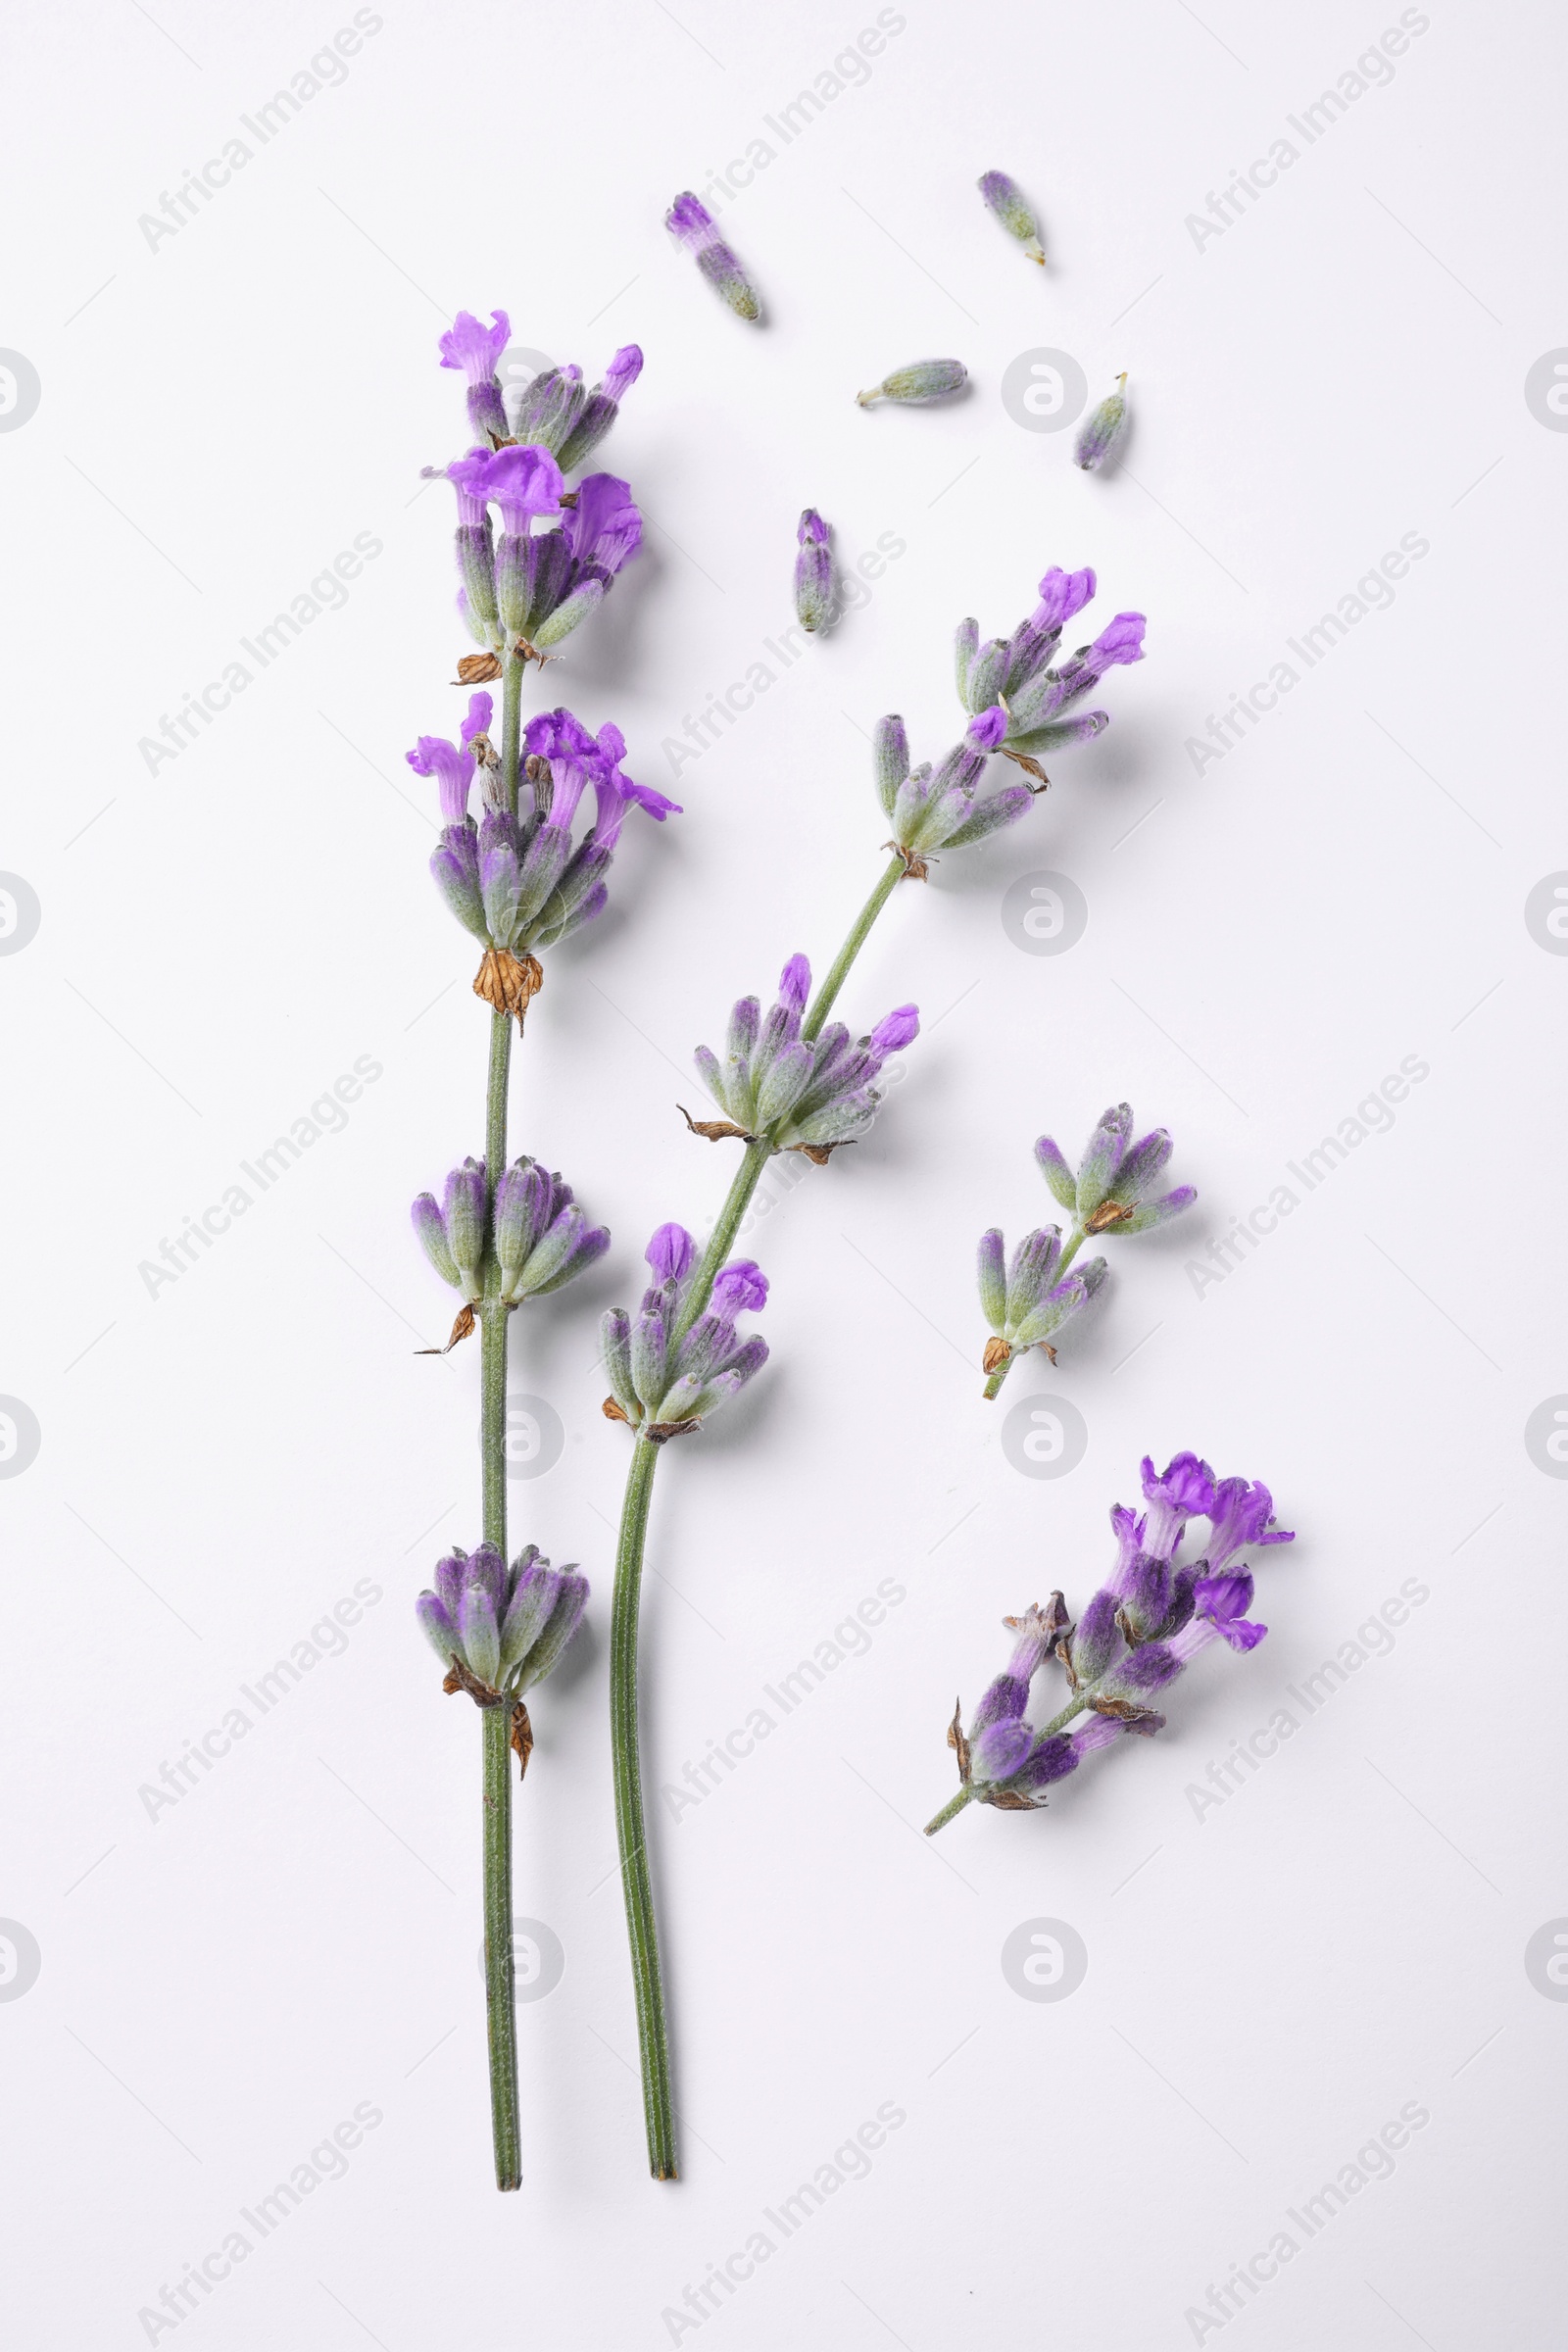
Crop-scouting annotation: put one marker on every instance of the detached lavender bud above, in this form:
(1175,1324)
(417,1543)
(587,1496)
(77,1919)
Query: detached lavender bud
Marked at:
(813,572)
(927,380)
(1005,198)
(696,229)
(1137,1634)
(1100,432)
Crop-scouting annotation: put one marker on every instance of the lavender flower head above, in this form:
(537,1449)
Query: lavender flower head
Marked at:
(942,808)
(665,1374)
(533,1239)
(1153,1616)
(695,227)
(798,1095)
(813,574)
(1023,673)
(1027,1303)
(1005,198)
(522,883)
(504,1627)
(1114,1191)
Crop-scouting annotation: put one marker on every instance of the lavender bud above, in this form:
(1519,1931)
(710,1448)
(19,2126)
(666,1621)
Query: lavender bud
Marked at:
(431,1226)
(465,1216)
(695,227)
(1005,200)
(890,751)
(813,574)
(925,379)
(1100,432)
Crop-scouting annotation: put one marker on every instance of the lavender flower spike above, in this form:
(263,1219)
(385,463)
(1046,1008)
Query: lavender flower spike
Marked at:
(505,1627)
(1005,198)
(1136,1636)
(1100,432)
(813,574)
(664,1380)
(1026,1303)
(923,381)
(1116,1177)
(475,349)
(796,1096)
(696,229)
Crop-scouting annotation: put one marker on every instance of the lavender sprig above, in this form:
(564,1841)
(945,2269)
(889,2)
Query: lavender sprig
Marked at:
(1147,1623)
(1111,1193)
(789,1083)
(523,870)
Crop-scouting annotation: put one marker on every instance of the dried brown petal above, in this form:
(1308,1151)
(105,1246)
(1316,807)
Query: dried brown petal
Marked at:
(612,1413)
(1031,767)
(1006,1800)
(660,1432)
(522,1741)
(957,1741)
(1127,1711)
(462,1677)
(477,669)
(716,1130)
(915,870)
(996,1352)
(462,1329)
(821,1154)
(1107,1215)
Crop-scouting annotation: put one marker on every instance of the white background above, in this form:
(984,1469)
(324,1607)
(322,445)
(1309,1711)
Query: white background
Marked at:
(1270,1980)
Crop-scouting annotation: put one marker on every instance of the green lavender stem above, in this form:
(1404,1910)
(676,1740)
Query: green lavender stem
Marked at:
(827,994)
(501,2017)
(653,2040)
(637,1884)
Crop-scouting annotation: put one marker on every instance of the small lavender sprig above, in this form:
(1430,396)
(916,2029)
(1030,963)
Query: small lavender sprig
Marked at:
(1111,1193)
(945,810)
(1152,1617)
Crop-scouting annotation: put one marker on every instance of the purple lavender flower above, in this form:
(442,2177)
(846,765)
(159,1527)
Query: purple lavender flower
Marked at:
(523,882)
(1021,671)
(1111,1190)
(506,1625)
(454,765)
(1025,1303)
(1145,1625)
(533,1239)
(475,349)
(922,381)
(1101,431)
(1242,1514)
(574,567)
(1005,198)
(800,1094)
(694,225)
(813,574)
(524,482)
(667,1375)
(475,550)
